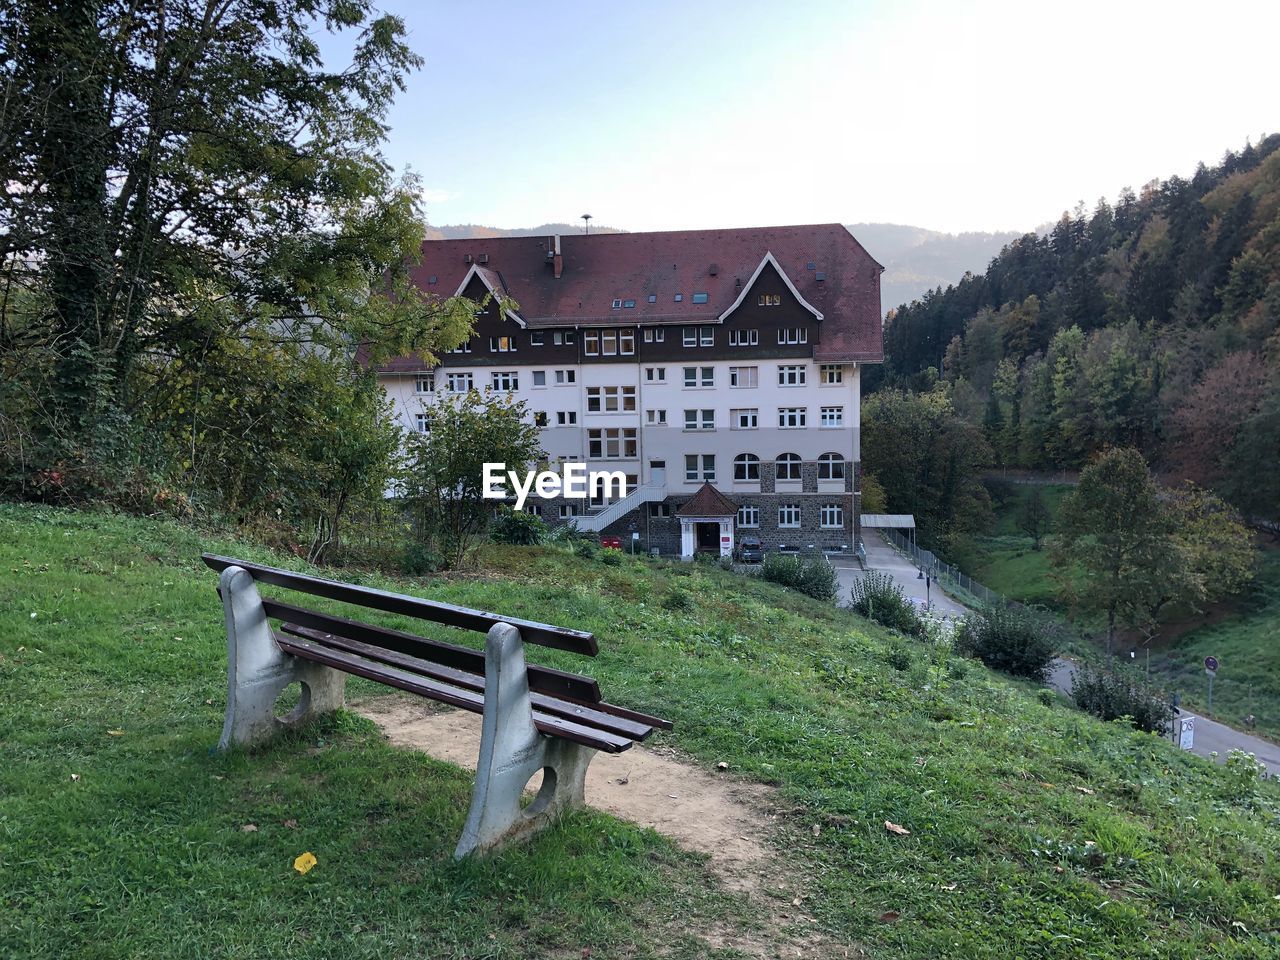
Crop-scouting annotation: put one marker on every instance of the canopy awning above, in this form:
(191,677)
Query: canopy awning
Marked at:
(898,521)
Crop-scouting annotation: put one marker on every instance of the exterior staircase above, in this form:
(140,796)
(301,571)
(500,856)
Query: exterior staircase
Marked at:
(646,493)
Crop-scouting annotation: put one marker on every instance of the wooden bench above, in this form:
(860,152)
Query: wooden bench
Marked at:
(534,718)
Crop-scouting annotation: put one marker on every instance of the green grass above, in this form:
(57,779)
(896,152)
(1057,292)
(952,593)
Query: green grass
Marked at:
(1247,645)
(1004,561)
(144,856)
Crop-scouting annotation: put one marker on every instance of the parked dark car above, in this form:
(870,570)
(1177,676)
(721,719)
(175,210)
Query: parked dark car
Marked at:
(750,550)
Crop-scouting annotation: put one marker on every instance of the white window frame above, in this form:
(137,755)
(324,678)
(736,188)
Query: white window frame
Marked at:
(744,418)
(744,338)
(703,467)
(791,463)
(689,335)
(702,419)
(505,381)
(539,375)
(792,336)
(748,515)
(831,375)
(422,422)
(746,464)
(737,376)
(464,378)
(831,417)
(502,344)
(706,336)
(566,377)
(792,513)
(567,418)
(424,383)
(793,418)
(828,464)
(831,516)
(792,375)
(655,374)
(703,378)
(656,418)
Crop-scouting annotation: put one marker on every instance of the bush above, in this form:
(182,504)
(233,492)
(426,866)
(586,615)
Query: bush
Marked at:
(1120,693)
(420,559)
(814,577)
(677,600)
(611,556)
(1011,639)
(879,598)
(517,527)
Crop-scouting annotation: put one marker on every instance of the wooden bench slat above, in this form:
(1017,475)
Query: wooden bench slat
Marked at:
(543,634)
(593,716)
(443,692)
(548,680)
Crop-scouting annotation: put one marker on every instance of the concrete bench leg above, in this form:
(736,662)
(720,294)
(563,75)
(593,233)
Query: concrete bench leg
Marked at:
(512,751)
(257,671)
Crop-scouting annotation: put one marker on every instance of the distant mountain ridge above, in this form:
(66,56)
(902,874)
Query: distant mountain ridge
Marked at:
(916,260)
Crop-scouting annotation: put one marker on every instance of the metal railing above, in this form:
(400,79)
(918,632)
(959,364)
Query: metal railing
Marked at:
(950,577)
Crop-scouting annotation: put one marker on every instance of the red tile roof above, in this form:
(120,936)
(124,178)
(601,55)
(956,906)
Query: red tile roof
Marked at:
(708,502)
(600,268)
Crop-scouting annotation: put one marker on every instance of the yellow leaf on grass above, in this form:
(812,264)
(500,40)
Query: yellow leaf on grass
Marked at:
(115,733)
(305,862)
(895,828)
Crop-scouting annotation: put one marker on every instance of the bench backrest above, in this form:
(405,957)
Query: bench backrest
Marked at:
(544,634)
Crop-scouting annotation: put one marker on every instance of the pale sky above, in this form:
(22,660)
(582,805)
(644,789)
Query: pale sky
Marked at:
(986,115)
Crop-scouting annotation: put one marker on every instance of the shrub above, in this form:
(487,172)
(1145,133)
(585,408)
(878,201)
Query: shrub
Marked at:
(879,598)
(898,657)
(814,577)
(517,527)
(677,600)
(1120,692)
(585,548)
(1012,639)
(611,556)
(420,559)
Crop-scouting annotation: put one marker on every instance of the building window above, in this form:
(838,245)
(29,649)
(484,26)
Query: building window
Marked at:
(832,373)
(746,467)
(655,374)
(832,417)
(591,343)
(791,375)
(423,423)
(744,338)
(655,334)
(568,510)
(789,515)
(617,304)
(699,419)
(464,347)
(567,418)
(537,339)
(747,418)
(610,399)
(425,383)
(700,467)
(791,335)
(628,304)
(533,508)
(609,343)
(653,298)
(611,443)
(539,378)
(659,510)
(505,380)
(679,297)
(502,344)
(744,376)
(706,335)
(657,418)
(832,516)
(566,376)
(700,298)
(699,377)
(787,467)
(690,336)
(460,383)
(769,300)
(748,515)
(831,467)
(792,418)
(565,337)
(540,418)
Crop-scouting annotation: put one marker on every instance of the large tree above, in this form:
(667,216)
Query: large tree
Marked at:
(185,174)
(1113,550)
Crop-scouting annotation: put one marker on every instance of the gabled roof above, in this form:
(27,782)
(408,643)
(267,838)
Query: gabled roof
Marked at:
(493,283)
(708,502)
(746,288)
(601,268)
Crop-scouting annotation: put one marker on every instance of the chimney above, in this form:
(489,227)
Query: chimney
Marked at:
(558,261)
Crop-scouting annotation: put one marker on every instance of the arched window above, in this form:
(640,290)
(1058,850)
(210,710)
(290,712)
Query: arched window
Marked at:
(831,467)
(746,466)
(788,466)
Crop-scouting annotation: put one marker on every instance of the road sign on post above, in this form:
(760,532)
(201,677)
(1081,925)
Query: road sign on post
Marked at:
(1211,670)
(1186,732)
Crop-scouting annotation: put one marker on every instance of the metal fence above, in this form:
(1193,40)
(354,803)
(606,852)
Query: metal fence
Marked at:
(950,577)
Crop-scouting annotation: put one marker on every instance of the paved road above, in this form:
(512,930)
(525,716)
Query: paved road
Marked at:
(882,557)
(1210,736)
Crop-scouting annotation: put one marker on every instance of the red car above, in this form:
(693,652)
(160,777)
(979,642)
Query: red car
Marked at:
(611,543)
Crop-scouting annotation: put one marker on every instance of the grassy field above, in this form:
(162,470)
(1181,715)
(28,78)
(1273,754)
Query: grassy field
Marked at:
(1004,560)
(1034,831)
(1247,645)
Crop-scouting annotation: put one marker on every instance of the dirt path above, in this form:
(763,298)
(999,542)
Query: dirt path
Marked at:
(718,816)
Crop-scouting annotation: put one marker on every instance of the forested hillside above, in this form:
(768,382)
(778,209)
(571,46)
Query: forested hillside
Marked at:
(1152,323)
